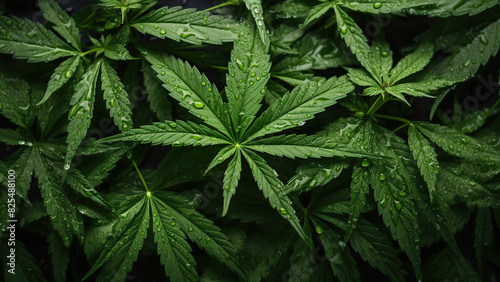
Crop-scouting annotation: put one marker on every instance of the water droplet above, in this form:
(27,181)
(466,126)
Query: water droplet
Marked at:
(163,32)
(186,35)
(172,124)
(68,74)
(198,104)
(484,40)
(464,141)
(141,26)
(452,147)
(365,163)
(203,83)
(319,230)
(67,166)
(398,205)
(402,193)
(197,137)
(172,224)
(253,74)
(112,102)
(383,202)
(283,211)
(343,29)
(377,5)
(384,54)
(22,143)
(9,22)
(259,23)
(74,110)
(381,177)
(190,229)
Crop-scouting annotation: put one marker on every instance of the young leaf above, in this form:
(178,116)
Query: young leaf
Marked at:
(192,89)
(361,77)
(248,74)
(28,40)
(187,25)
(116,97)
(82,110)
(413,62)
(63,24)
(271,186)
(61,75)
(231,178)
(426,158)
(300,105)
(178,133)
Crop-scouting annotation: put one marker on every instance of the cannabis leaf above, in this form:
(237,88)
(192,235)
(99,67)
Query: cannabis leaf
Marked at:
(173,221)
(28,40)
(187,25)
(244,92)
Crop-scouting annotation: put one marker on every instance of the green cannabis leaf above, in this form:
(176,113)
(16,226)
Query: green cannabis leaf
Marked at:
(245,83)
(300,140)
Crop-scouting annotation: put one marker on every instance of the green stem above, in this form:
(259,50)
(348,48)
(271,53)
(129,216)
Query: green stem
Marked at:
(221,5)
(491,109)
(378,103)
(392,118)
(89,52)
(400,127)
(140,175)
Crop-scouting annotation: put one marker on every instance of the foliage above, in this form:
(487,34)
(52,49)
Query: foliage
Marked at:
(296,142)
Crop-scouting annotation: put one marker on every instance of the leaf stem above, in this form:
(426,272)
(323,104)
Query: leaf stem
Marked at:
(88,52)
(378,103)
(392,118)
(400,127)
(231,2)
(140,176)
(491,109)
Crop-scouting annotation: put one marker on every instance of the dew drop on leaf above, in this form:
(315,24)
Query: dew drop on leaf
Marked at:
(381,177)
(198,104)
(68,74)
(283,211)
(319,230)
(365,163)
(377,5)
